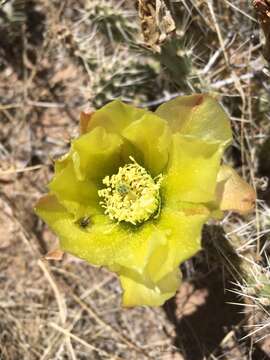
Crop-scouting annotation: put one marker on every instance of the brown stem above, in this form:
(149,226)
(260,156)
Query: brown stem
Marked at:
(262,8)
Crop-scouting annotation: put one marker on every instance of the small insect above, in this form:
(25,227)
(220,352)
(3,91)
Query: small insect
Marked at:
(83,222)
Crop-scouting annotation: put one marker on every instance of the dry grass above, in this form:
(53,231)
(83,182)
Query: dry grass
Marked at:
(56,58)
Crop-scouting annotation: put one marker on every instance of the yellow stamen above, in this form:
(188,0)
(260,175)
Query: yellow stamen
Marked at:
(131,195)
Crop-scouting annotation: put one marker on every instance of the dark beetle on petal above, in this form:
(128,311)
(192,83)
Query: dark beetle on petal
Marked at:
(83,222)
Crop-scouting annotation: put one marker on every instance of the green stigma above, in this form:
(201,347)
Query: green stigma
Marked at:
(131,195)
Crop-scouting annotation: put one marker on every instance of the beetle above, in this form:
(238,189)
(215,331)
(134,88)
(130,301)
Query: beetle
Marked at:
(83,222)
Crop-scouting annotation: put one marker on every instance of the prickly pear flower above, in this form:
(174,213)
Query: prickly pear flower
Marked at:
(135,189)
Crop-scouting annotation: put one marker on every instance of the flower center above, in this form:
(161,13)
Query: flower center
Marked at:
(131,195)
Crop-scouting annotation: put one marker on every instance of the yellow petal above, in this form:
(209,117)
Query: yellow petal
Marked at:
(233,193)
(140,291)
(192,170)
(103,242)
(182,226)
(115,116)
(198,115)
(176,239)
(151,135)
(96,154)
(78,196)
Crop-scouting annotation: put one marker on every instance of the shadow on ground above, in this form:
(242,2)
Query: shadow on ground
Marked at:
(201,333)
(264,168)
(20,34)
(205,321)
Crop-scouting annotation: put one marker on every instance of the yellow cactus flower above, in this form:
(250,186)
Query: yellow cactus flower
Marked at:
(135,189)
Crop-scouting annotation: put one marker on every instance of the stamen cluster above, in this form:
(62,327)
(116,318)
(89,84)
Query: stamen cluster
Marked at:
(131,195)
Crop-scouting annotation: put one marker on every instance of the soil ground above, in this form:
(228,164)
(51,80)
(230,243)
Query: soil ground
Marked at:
(60,57)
